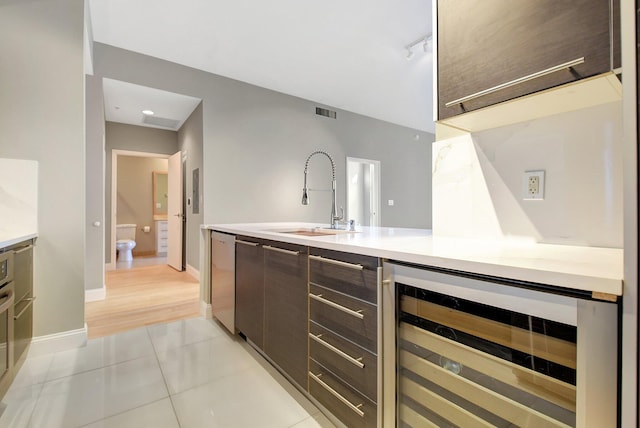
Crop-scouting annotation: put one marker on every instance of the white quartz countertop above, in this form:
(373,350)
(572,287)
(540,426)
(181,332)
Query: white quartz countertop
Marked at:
(8,239)
(592,269)
(18,201)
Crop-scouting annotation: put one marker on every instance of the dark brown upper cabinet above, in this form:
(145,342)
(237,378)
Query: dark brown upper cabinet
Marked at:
(491,51)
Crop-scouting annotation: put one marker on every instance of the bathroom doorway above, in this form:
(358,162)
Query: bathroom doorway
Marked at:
(135,203)
(363,191)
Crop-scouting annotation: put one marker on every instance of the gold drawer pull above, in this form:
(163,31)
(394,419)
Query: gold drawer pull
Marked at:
(336,262)
(319,298)
(281,250)
(355,408)
(355,361)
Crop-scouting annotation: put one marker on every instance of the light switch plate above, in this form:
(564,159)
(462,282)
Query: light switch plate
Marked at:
(533,185)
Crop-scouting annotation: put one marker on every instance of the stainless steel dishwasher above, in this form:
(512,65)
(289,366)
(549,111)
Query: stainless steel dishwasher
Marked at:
(223,278)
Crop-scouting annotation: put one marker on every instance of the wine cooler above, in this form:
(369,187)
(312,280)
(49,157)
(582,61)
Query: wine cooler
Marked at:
(472,351)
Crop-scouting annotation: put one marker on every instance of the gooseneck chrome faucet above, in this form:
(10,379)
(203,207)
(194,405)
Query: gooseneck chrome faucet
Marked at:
(305,196)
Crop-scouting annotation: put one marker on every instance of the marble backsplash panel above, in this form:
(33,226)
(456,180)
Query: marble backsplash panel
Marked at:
(478,180)
(18,198)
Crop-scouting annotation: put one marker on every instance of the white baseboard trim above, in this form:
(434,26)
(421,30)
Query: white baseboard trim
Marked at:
(95,294)
(205,310)
(110,266)
(193,272)
(57,342)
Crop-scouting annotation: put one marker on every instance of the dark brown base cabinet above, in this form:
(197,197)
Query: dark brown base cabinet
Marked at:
(483,44)
(286,308)
(23,307)
(314,314)
(16,319)
(343,335)
(250,289)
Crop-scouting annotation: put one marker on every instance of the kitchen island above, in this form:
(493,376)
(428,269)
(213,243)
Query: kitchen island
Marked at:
(363,308)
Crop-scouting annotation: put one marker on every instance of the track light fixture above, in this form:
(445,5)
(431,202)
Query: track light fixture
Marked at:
(426,45)
(409,54)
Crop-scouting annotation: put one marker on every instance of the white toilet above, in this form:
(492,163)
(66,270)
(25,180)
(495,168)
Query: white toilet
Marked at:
(125,241)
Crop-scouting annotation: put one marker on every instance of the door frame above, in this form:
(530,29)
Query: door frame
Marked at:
(376,189)
(114,194)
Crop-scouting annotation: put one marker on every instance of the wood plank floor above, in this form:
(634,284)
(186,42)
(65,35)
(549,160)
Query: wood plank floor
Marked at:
(142,296)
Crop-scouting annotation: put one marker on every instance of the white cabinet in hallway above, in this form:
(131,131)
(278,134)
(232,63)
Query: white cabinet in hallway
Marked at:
(162,234)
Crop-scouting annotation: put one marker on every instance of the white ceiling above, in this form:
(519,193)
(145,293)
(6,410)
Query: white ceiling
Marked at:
(348,54)
(124,103)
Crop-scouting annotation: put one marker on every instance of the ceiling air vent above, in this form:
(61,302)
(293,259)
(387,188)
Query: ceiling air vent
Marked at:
(161,121)
(327,113)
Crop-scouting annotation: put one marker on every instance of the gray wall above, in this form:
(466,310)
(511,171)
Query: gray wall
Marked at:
(94,255)
(42,116)
(190,143)
(255,142)
(405,167)
(120,136)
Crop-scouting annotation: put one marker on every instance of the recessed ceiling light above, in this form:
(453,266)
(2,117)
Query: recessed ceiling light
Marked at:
(148,112)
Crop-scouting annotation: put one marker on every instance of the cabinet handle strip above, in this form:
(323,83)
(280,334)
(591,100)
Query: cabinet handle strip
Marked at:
(22,250)
(337,262)
(336,394)
(517,81)
(252,244)
(30,300)
(319,298)
(281,250)
(354,361)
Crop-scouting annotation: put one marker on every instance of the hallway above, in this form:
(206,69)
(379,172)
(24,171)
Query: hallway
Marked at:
(142,296)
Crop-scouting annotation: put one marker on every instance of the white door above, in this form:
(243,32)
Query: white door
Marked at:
(175,216)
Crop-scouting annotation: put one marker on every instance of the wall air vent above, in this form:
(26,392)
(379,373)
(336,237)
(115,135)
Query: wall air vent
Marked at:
(161,121)
(327,113)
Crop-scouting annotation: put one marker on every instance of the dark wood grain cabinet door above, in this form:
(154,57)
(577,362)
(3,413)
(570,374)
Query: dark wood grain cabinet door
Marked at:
(286,308)
(483,44)
(250,289)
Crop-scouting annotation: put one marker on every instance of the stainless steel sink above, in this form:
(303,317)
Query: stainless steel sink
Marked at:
(315,231)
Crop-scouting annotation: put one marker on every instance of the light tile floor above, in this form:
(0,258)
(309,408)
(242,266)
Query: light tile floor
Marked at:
(188,374)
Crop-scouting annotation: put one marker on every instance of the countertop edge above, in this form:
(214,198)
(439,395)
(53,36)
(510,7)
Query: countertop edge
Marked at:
(17,239)
(575,280)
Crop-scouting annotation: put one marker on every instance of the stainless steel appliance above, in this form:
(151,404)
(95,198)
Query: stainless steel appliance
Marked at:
(7,297)
(479,351)
(223,283)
